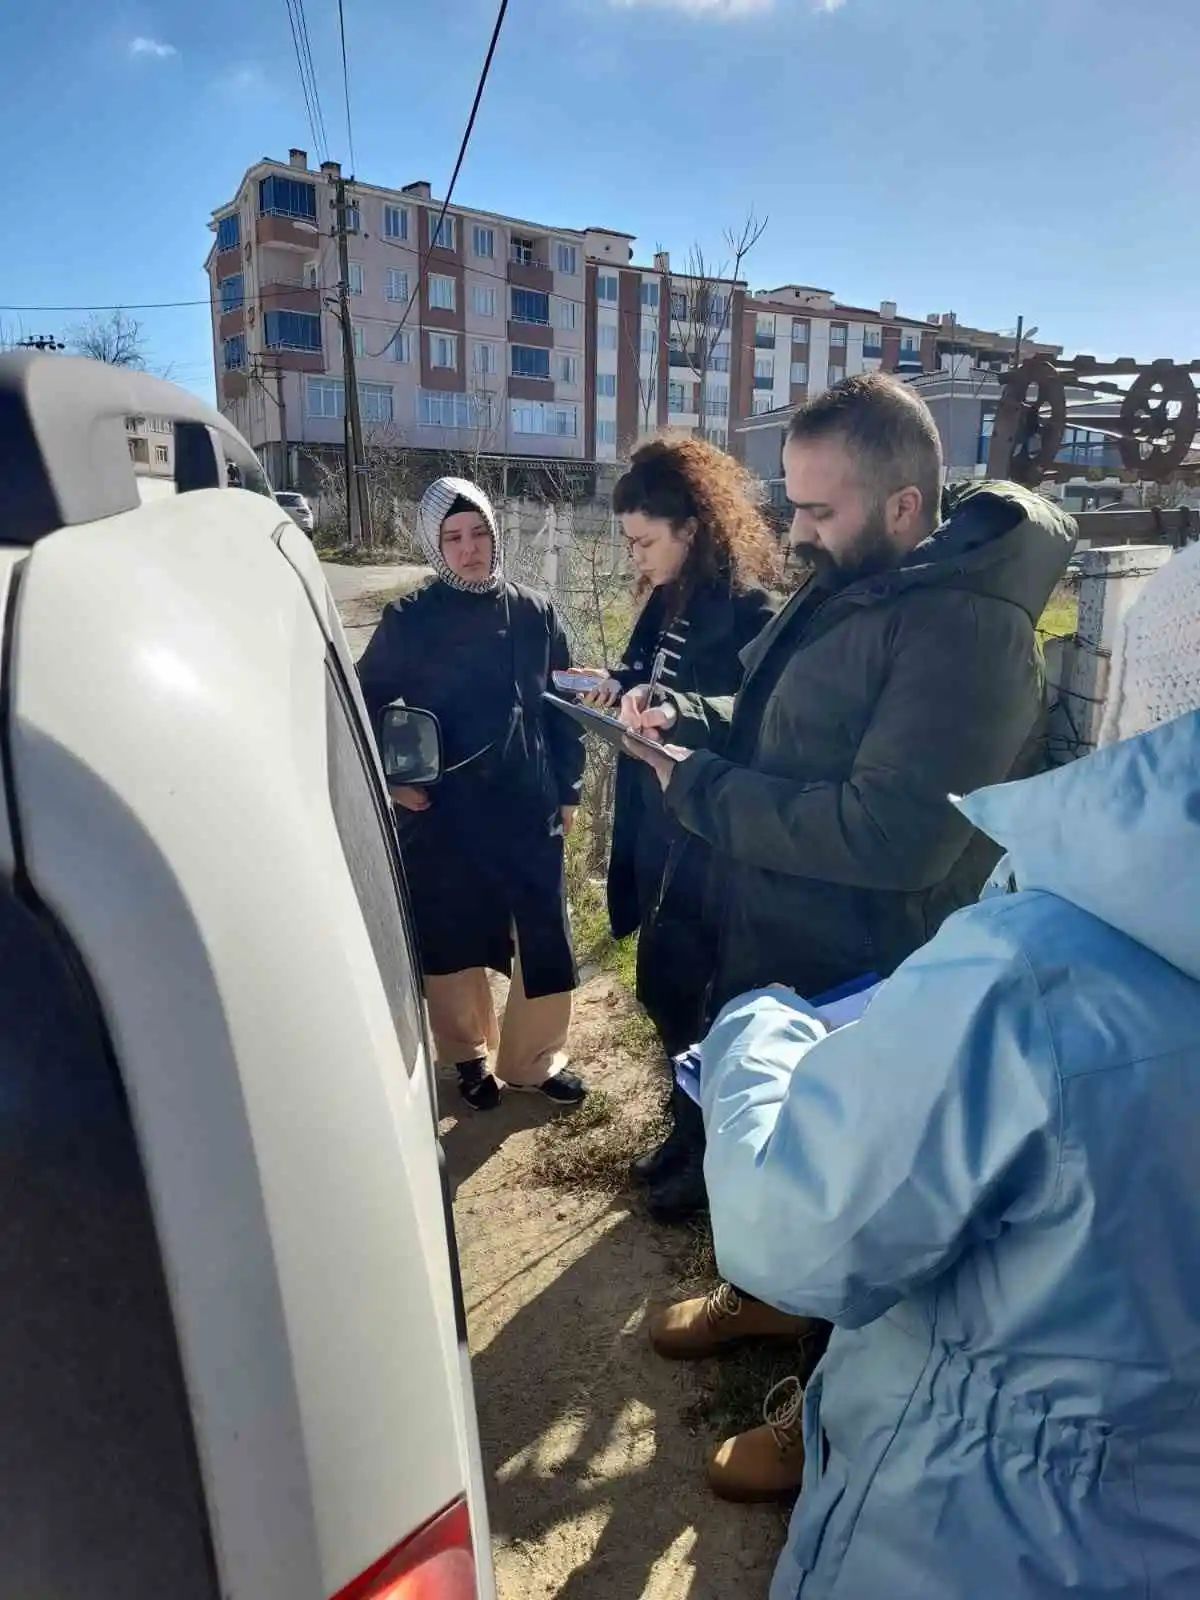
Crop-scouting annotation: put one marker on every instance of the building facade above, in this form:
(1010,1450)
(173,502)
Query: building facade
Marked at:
(489,336)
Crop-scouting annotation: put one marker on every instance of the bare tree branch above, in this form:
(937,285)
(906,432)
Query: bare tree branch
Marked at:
(117,339)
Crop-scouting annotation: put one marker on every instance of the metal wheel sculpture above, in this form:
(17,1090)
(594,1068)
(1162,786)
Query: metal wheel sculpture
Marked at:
(1031,420)
(1158,421)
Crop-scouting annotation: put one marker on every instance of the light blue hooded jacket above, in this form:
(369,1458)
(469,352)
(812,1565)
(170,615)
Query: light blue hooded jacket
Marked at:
(991,1185)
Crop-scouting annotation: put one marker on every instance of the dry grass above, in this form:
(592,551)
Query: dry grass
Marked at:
(591,1149)
(1061,616)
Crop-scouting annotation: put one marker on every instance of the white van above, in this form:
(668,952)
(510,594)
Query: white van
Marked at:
(232,1344)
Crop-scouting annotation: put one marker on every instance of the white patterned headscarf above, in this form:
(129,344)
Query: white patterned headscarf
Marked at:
(433,511)
(1156,659)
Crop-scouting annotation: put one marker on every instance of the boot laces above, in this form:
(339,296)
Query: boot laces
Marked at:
(722,1303)
(783,1411)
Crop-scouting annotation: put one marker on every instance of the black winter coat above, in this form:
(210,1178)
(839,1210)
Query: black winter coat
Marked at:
(824,790)
(657,874)
(488,853)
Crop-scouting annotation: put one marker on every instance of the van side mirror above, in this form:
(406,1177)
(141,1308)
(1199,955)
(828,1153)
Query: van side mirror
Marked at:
(410,744)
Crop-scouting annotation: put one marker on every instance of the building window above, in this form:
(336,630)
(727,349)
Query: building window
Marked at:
(836,374)
(528,361)
(353,217)
(800,372)
(606,385)
(235,353)
(764,369)
(160,454)
(326,397)
(568,369)
(139,451)
(716,400)
(761,402)
(436,409)
(395,222)
(441,292)
(229,232)
(606,433)
(375,402)
(987,423)
(568,260)
(568,315)
(608,288)
(542,417)
(649,341)
(232,293)
(606,336)
(485,359)
(483,241)
(800,330)
(311,271)
(400,345)
(443,351)
(719,360)
(649,393)
(872,342)
(675,397)
(483,301)
(530,306)
(718,308)
(287,197)
(522,251)
(397,284)
(910,347)
(441,234)
(359,335)
(649,295)
(837,336)
(292,330)
(354,283)
(764,332)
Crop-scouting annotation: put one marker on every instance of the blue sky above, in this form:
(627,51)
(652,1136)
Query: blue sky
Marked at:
(994,157)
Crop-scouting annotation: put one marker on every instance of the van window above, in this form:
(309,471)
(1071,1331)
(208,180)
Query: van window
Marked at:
(373,858)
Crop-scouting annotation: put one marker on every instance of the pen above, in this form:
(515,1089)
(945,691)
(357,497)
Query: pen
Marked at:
(656,672)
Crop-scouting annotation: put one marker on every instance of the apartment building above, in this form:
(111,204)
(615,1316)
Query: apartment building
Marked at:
(487,335)
(151,443)
(471,340)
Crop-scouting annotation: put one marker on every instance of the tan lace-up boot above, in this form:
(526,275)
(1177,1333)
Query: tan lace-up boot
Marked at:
(766,1464)
(696,1329)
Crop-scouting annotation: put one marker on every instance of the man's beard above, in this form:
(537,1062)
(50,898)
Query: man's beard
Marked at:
(870,552)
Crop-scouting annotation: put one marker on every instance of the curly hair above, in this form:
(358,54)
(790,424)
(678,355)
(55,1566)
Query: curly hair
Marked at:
(679,479)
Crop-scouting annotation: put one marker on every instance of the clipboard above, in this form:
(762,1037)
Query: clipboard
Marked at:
(606,727)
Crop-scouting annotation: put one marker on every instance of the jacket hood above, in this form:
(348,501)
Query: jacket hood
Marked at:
(1117,834)
(999,540)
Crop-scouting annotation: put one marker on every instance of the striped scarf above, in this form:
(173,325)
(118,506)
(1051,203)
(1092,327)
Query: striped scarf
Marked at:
(433,511)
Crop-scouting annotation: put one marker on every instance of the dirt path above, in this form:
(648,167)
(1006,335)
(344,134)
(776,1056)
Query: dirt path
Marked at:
(596,1464)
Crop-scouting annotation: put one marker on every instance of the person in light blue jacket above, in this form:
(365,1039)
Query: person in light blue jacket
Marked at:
(990,1184)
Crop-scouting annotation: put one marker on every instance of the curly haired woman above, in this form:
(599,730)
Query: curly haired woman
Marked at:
(704,556)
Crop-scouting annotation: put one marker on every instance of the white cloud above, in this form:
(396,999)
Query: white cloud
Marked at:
(151,47)
(829,6)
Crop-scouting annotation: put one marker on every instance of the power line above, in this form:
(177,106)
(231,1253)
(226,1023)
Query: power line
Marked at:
(435,232)
(304,89)
(308,76)
(346,85)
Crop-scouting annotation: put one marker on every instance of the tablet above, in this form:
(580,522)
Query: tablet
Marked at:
(609,729)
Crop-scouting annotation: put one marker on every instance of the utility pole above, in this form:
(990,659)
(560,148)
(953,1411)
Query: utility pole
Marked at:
(356,499)
(285,467)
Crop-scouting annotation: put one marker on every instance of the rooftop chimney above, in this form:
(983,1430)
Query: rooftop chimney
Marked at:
(331,170)
(662,261)
(298,159)
(419,190)
(887,310)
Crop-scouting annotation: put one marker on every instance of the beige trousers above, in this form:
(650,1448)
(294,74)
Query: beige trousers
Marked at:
(529,1048)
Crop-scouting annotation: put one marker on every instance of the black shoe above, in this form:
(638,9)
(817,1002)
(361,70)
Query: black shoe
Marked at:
(681,1195)
(477,1086)
(564,1089)
(652,1166)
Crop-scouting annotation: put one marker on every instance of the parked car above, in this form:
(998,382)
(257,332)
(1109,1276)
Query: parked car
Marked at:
(297,507)
(233,1359)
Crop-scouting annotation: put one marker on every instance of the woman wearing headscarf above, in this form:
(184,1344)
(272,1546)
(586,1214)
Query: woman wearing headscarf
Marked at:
(483,848)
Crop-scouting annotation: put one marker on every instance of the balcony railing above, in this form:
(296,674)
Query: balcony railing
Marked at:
(872,352)
(764,341)
(764,383)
